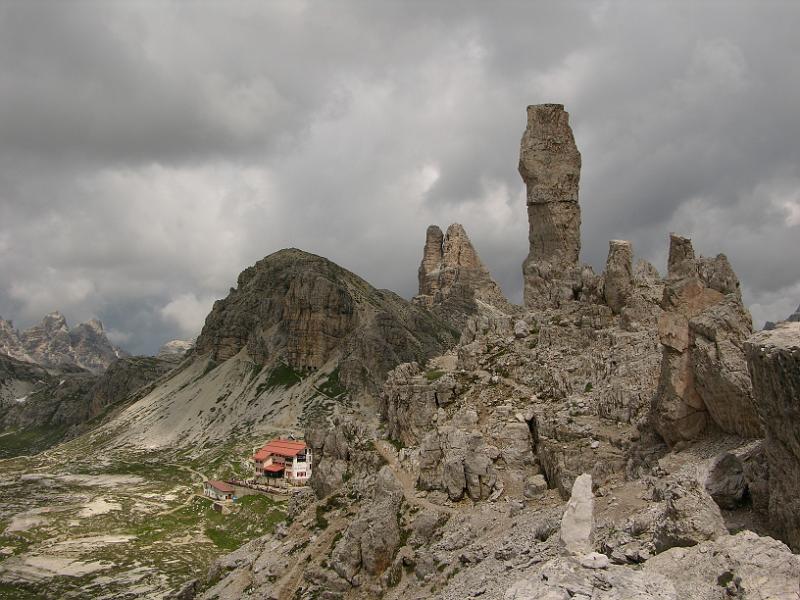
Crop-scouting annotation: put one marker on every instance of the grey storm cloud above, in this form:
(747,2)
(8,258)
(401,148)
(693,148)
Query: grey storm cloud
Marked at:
(150,151)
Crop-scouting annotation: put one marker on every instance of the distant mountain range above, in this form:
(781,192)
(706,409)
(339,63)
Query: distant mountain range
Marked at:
(52,344)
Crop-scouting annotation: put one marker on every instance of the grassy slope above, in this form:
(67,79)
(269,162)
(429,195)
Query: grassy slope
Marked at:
(176,533)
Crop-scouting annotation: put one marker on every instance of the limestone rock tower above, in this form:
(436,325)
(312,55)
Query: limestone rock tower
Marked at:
(550,166)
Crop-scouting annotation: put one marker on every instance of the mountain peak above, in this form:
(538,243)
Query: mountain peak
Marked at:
(305,310)
(51,343)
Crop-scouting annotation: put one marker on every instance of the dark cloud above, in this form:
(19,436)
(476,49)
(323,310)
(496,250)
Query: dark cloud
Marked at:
(150,151)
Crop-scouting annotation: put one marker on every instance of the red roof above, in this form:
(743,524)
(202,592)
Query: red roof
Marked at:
(261,455)
(273,468)
(221,486)
(287,448)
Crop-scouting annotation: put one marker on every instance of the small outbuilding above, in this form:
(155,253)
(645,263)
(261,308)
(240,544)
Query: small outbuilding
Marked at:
(218,490)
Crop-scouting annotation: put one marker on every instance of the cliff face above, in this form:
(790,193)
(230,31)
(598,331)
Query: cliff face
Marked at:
(52,344)
(305,310)
(774,361)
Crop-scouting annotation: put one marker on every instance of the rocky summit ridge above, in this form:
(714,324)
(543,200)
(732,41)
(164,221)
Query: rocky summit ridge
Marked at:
(52,344)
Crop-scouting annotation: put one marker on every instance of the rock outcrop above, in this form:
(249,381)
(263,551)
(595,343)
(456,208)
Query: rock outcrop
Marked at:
(52,344)
(774,361)
(550,166)
(618,274)
(304,310)
(452,278)
(704,376)
(370,541)
(744,565)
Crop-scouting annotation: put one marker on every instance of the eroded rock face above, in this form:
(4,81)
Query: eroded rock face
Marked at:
(452,272)
(703,371)
(302,309)
(409,401)
(64,401)
(550,166)
(774,361)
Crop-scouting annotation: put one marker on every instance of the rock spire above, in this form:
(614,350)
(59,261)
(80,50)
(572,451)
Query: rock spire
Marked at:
(452,268)
(550,166)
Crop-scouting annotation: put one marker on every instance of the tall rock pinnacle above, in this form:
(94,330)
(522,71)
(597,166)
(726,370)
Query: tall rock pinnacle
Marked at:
(452,268)
(550,165)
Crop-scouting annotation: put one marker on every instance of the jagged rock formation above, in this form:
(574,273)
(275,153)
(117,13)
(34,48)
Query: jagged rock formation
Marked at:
(774,361)
(53,405)
(704,376)
(550,166)
(453,274)
(51,343)
(307,311)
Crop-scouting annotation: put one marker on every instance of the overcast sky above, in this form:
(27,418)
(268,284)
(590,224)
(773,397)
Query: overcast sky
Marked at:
(151,151)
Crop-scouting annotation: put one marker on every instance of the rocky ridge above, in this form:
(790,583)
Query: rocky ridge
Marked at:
(306,311)
(52,344)
(602,442)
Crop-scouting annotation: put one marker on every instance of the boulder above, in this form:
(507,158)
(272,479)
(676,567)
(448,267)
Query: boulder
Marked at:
(370,541)
(688,516)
